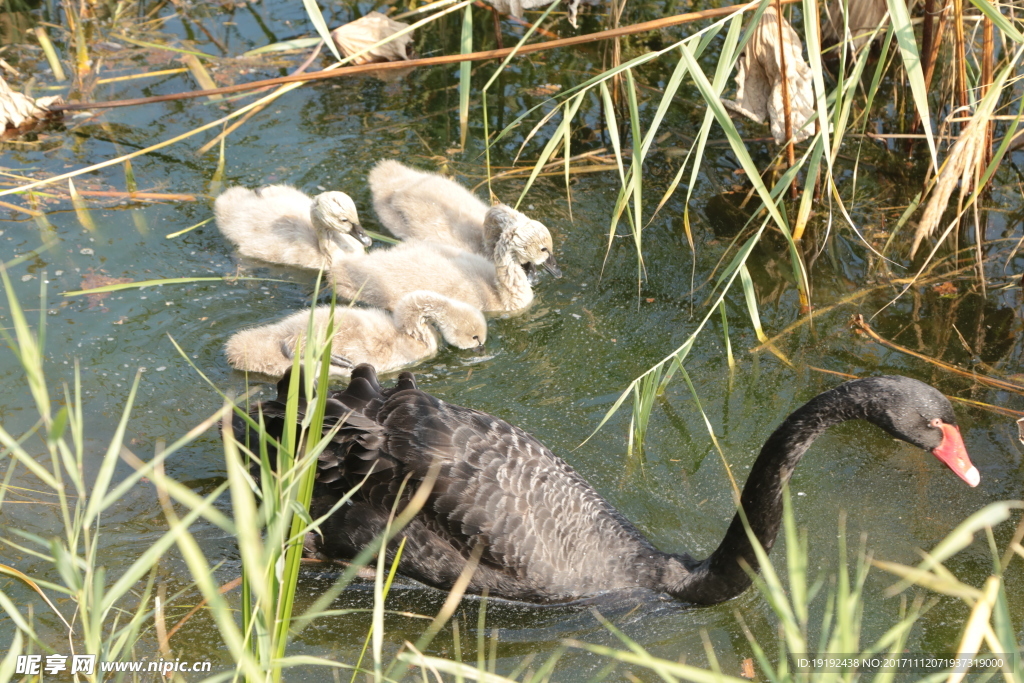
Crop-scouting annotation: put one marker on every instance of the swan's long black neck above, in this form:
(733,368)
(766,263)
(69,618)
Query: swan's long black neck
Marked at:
(722,575)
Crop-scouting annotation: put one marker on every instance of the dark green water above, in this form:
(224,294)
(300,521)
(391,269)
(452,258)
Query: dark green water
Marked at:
(554,370)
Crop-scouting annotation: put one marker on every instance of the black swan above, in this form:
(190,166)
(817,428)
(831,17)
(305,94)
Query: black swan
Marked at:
(547,535)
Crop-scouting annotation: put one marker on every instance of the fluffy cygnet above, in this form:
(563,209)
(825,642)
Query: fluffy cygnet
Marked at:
(280,224)
(415,204)
(384,275)
(362,335)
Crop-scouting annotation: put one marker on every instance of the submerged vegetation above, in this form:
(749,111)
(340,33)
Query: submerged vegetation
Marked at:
(897,191)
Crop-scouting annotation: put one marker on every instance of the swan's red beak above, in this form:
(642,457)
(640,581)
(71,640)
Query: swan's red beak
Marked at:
(952,452)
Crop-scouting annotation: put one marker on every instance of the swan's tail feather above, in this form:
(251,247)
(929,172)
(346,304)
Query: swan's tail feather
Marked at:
(406,381)
(367,372)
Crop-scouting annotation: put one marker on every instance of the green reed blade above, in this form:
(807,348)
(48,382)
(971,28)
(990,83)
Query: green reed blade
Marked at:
(465,75)
(317,19)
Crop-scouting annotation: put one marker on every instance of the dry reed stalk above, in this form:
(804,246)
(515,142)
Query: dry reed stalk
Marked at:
(22,209)
(201,75)
(930,55)
(927,32)
(484,55)
(933,53)
(960,64)
(252,112)
(230,585)
(860,325)
(156,196)
(962,166)
(999,410)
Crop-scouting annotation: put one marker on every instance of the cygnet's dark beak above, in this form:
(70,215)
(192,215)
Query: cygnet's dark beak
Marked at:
(357,231)
(551,266)
(479,348)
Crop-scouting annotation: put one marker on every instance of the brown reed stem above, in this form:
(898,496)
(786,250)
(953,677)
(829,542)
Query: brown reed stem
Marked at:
(987,49)
(786,107)
(860,325)
(933,51)
(961,53)
(927,33)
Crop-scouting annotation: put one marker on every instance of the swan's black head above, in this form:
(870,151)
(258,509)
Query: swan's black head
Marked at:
(916,413)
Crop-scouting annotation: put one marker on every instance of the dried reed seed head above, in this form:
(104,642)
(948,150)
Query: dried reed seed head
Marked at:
(960,167)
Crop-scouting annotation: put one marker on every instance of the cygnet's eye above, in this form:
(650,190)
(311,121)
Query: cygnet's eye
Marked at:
(545,250)
(935,422)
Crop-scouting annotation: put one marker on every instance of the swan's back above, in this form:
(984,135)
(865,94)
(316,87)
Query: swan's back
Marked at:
(383,276)
(547,535)
(267,216)
(415,204)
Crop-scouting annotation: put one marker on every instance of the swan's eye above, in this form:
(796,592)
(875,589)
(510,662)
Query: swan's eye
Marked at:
(935,422)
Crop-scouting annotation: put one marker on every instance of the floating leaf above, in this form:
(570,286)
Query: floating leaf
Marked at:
(759,79)
(17,109)
(368,39)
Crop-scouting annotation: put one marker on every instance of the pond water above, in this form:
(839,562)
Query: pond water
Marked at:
(554,370)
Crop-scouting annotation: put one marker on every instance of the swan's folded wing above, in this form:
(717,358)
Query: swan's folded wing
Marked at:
(538,520)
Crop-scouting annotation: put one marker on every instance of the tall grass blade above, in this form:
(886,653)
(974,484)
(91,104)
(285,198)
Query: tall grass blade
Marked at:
(725,336)
(129,177)
(179,233)
(725,65)
(315,16)
(497,72)
(159,283)
(51,54)
(636,174)
(612,126)
(21,576)
(569,111)
(10,661)
(750,296)
(217,181)
(807,197)
(465,75)
(992,12)
(81,208)
(202,76)
(903,27)
(739,149)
